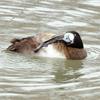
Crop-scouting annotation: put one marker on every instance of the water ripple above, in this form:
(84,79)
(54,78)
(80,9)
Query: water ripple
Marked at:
(29,78)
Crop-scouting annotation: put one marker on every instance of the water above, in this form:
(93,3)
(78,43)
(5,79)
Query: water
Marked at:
(29,78)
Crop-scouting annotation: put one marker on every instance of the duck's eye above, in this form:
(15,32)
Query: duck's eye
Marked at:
(69,38)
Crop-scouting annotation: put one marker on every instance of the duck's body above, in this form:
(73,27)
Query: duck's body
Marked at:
(48,45)
(51,52)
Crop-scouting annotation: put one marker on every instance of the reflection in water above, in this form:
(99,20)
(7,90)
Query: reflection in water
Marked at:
(67,71)
(32,78)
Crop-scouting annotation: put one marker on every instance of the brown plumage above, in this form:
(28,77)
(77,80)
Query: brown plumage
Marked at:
(24,45)
(29,44)
(69,52)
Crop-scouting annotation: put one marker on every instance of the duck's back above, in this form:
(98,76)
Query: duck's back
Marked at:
(28,44)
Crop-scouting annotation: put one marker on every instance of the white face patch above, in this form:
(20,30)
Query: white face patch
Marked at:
(69,38)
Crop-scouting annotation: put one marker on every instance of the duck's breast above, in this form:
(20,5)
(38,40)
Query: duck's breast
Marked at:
(51,52)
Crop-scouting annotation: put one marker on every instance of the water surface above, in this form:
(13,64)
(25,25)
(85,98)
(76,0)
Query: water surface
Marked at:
(29,78)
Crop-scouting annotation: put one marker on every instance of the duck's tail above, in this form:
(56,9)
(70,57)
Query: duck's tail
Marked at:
(24,44)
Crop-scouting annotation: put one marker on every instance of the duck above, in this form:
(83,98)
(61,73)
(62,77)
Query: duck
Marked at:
(68,45)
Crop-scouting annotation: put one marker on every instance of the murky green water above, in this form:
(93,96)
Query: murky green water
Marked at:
(28,78)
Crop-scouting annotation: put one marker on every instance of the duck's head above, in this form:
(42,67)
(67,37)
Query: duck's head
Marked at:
(70,39)
(73,39)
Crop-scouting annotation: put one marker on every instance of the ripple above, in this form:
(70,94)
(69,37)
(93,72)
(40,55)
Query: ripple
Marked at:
(63,24)
(92,2)
(87,89)
(9,94)
(50,87)
(57,24)
(87,11)
(10,7)
(92,75)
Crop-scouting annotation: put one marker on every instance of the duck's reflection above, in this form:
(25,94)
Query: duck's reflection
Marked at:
(64,70)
